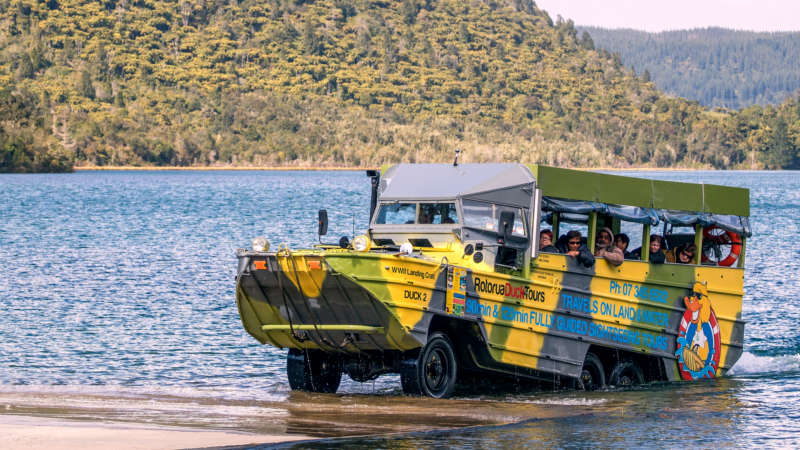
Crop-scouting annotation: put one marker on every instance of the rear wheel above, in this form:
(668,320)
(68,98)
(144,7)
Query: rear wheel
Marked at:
(626,373)
(313,371)
(433,371)
(592,375)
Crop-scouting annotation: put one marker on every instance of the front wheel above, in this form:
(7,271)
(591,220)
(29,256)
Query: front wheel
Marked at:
(313,371)
(626,373)
(433,372)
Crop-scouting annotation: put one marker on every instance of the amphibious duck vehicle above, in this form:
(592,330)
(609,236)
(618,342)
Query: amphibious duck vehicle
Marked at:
(449,280)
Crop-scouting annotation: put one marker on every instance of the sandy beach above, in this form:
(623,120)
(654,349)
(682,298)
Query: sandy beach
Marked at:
(138,417)
(31,432)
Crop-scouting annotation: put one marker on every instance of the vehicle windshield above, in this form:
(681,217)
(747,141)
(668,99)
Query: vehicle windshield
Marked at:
(396,213)
(437,213)
(485,216)
(410,213)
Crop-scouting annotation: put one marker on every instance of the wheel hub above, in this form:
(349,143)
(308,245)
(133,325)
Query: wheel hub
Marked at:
(435,370)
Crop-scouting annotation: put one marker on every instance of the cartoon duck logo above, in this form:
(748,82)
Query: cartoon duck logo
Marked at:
(698,349)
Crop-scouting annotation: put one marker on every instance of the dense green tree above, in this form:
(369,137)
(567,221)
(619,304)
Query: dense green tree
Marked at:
(348,82)
(85,86)
(586,41)
(311,40)
(25,68)
(717,67)
(409,11)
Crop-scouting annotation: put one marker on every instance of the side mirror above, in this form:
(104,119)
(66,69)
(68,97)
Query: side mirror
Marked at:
(505,225)
(323,222)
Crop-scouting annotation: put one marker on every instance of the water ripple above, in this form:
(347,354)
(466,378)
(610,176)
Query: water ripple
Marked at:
(124,281)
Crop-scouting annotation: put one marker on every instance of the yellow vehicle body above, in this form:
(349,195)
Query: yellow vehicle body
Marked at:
(376,310)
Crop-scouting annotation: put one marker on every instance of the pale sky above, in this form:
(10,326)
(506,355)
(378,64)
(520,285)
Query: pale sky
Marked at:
(661,15)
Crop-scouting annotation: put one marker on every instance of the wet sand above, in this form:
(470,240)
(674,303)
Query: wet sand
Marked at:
(31,432)
(52,417)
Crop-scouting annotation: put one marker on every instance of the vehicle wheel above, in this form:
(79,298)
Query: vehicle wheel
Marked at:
(433,372)
(313,371)
(593,376)
(626,373)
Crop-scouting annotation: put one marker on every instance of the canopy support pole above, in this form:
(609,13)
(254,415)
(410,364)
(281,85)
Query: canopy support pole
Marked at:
(592,232)
(698,243)
(555,228)
(646,242)
(534,218)
(740,263)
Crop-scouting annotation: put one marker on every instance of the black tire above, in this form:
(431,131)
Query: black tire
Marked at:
(626,373)
(313,371)
(593,376)
(433,371)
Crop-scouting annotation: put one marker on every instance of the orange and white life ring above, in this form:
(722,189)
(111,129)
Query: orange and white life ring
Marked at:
(724,238)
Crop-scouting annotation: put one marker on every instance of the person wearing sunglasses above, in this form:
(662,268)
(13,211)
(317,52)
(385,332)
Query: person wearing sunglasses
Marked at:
(572,245)
(604,247)
(682,254)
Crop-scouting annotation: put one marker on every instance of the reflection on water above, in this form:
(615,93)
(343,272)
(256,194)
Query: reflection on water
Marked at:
(738,411)
(722,412)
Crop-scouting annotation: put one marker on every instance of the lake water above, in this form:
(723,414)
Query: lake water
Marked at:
(117,291)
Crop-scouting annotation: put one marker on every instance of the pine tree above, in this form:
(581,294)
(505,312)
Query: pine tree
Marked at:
(586,41)
(85,87)
(312,43)
(409,11)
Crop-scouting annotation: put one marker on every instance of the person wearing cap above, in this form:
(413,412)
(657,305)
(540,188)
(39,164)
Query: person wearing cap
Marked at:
(604,247)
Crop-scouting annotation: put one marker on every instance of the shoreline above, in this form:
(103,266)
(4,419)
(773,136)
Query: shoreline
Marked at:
(356,169)
(37,432)
(221,168)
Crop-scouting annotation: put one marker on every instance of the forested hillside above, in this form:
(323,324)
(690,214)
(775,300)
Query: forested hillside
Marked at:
(717,67)
(345,82)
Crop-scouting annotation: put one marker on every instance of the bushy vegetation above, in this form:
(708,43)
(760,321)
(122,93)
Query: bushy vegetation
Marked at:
(718,67)
(351,82)
(25,146)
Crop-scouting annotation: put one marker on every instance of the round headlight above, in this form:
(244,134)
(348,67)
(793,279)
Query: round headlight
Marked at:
(361,243)
(260,244)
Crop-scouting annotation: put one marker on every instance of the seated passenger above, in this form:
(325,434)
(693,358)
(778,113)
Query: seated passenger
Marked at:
(621,241)
(682,254)
(604,247)
(572,245)
(546,242)
(656,255)
(426,213)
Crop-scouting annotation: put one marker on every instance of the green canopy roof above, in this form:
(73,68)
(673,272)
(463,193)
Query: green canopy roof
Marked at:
(620,190)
